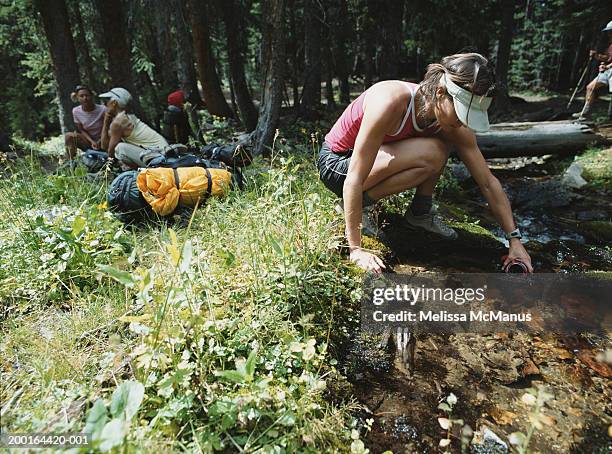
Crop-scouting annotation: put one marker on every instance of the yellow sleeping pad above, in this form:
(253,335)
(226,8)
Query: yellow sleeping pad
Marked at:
(164,189)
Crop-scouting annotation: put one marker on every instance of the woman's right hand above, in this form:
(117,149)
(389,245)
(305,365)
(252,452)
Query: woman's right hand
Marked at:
(366,260)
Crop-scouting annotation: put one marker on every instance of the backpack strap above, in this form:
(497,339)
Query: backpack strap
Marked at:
(176,178)
(209,187)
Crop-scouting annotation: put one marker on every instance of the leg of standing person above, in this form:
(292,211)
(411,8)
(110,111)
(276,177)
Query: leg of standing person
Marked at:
(591,95)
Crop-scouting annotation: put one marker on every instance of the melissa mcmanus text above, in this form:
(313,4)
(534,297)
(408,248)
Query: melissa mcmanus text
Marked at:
(445,316)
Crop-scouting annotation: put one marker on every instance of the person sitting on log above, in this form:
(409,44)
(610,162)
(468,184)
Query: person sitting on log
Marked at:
(125,136)
(88,118)
(604,78)
(397,135)
(175,123)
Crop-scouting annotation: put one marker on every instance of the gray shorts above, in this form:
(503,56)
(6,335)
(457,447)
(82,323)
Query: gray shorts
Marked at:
(604,78)
(333,168)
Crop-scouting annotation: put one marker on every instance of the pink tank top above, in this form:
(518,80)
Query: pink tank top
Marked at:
(343,134)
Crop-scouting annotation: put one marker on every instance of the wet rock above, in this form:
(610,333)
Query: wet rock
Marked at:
(488,442)
(459,171)
(573,176)
(402,430)
(592,216)
(534,194)
(366,353)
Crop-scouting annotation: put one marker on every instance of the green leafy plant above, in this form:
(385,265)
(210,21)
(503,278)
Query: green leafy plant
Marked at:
(109,427)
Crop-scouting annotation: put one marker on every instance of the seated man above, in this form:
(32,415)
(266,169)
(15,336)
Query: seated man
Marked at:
(603,79)
(88,118)
(175,124)
(125,136)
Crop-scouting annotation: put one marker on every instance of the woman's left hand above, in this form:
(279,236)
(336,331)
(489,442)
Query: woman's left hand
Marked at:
(518,251)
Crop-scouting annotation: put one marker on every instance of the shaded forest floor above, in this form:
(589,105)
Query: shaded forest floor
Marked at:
(266,273)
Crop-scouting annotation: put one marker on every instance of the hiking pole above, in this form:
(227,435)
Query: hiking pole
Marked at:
(584,72)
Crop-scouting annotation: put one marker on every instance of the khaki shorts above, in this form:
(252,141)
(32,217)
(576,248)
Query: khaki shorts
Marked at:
(132,156)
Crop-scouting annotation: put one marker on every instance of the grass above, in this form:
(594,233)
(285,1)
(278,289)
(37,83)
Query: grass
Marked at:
(89,307)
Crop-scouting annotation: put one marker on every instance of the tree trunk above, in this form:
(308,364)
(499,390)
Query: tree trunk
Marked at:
(207,67)
(162,12)
(56,24)
(184,52)
(534,139)
(329,79)
(86,63)
(502,98)
(272,62)
(116,42)
(232,15)
(292,46)
(311,94)
(369,48)
(341,33)
(390,14)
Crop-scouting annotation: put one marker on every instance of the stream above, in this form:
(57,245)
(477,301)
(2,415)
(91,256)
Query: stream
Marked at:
(490,373)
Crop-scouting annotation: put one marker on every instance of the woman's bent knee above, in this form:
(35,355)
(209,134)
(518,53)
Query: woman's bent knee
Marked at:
(437,154)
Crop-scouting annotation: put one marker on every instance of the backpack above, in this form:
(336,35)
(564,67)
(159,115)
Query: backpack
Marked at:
(94,160)
(175,125)
(234,156)
(188,160)
(125,200)
(128,204)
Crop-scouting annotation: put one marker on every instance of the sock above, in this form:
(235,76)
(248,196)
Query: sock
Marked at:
(586,109)
(421,204)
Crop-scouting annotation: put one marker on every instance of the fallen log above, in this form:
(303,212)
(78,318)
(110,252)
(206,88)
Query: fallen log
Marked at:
(508,140)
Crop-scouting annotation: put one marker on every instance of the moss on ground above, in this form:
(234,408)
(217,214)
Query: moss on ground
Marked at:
(597,165)
(598,231)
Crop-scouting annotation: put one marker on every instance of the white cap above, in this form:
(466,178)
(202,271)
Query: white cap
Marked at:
(121,95)
(470,108)
(608,27)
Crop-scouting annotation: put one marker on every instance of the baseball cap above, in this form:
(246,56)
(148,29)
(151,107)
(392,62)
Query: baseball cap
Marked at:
(121,95)
(608,27)
(469,107)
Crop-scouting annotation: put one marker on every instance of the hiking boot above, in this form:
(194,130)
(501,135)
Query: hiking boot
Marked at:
(369,226)
(579,117)
(432,223)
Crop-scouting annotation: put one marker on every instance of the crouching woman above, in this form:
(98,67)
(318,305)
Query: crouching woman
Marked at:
(397,135)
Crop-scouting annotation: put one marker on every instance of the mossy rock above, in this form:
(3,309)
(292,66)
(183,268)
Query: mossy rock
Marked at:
(598,231)
(597,165)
